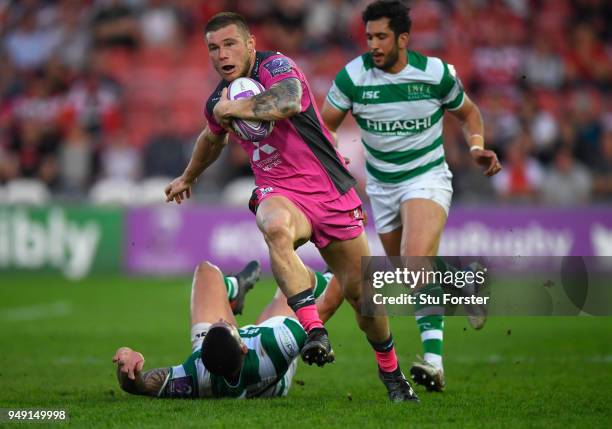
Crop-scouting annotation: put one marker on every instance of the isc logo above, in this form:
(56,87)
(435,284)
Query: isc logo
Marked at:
(371,95)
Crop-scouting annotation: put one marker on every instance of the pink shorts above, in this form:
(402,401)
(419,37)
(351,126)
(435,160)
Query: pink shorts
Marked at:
(337,220)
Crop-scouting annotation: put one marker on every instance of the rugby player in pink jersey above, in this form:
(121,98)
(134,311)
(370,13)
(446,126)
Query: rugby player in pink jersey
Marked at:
(304,190)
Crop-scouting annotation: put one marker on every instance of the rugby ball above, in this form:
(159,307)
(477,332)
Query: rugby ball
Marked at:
(254,131)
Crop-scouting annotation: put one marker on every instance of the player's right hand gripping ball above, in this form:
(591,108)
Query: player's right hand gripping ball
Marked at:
(253,131)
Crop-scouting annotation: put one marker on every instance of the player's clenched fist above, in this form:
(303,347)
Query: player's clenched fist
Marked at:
(129,361)
(178,190)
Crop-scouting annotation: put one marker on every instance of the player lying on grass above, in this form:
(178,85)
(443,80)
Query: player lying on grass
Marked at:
(253,361)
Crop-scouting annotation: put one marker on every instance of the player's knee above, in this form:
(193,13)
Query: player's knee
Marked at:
(206,268)
(277,232)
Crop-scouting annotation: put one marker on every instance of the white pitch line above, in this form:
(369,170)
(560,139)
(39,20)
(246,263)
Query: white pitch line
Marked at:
(37,312)
(72,360)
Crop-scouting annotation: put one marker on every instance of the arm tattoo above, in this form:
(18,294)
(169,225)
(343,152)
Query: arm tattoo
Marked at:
(148,383)
(282,100)
(153,380)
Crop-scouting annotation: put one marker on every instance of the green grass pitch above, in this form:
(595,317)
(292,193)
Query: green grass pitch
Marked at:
(57,339)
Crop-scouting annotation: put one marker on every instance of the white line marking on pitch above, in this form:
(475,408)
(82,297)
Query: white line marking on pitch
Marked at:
(72,360)
(37,312)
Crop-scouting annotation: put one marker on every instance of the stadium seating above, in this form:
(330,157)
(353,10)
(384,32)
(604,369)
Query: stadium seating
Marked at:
(238,191)
(27,191)
(117,192)
(151,191)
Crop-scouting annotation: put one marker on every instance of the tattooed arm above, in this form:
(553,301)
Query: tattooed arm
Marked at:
(148,383)
(130,375)
(282,100)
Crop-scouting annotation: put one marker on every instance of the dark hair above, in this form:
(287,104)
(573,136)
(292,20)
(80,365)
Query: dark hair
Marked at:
(221,353)
(397,12)
(224,19)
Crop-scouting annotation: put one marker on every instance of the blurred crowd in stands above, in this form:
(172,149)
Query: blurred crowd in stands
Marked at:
(94,90)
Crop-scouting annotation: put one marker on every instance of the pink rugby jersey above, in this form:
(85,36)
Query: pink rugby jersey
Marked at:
(298,154)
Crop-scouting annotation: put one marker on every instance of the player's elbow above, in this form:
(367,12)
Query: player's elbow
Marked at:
(330,124)
(291,107)
(332,117)
(216,143)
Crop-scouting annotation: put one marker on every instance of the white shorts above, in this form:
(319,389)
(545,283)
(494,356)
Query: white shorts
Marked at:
(198,332)
(386,198)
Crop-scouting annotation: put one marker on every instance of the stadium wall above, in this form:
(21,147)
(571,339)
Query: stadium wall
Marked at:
(164,240)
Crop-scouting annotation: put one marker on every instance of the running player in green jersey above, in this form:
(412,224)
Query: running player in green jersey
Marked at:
(398,98)
(253,361)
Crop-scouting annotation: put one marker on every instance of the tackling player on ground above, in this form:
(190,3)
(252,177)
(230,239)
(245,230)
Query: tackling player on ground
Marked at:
(398,99)
(304,190)
(253,361)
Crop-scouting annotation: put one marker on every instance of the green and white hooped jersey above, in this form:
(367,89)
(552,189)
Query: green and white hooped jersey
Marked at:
(267,370)
(400,115)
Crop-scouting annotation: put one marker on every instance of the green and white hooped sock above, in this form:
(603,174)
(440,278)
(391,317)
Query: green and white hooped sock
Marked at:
(321,282)
(430,320)
(231,284)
